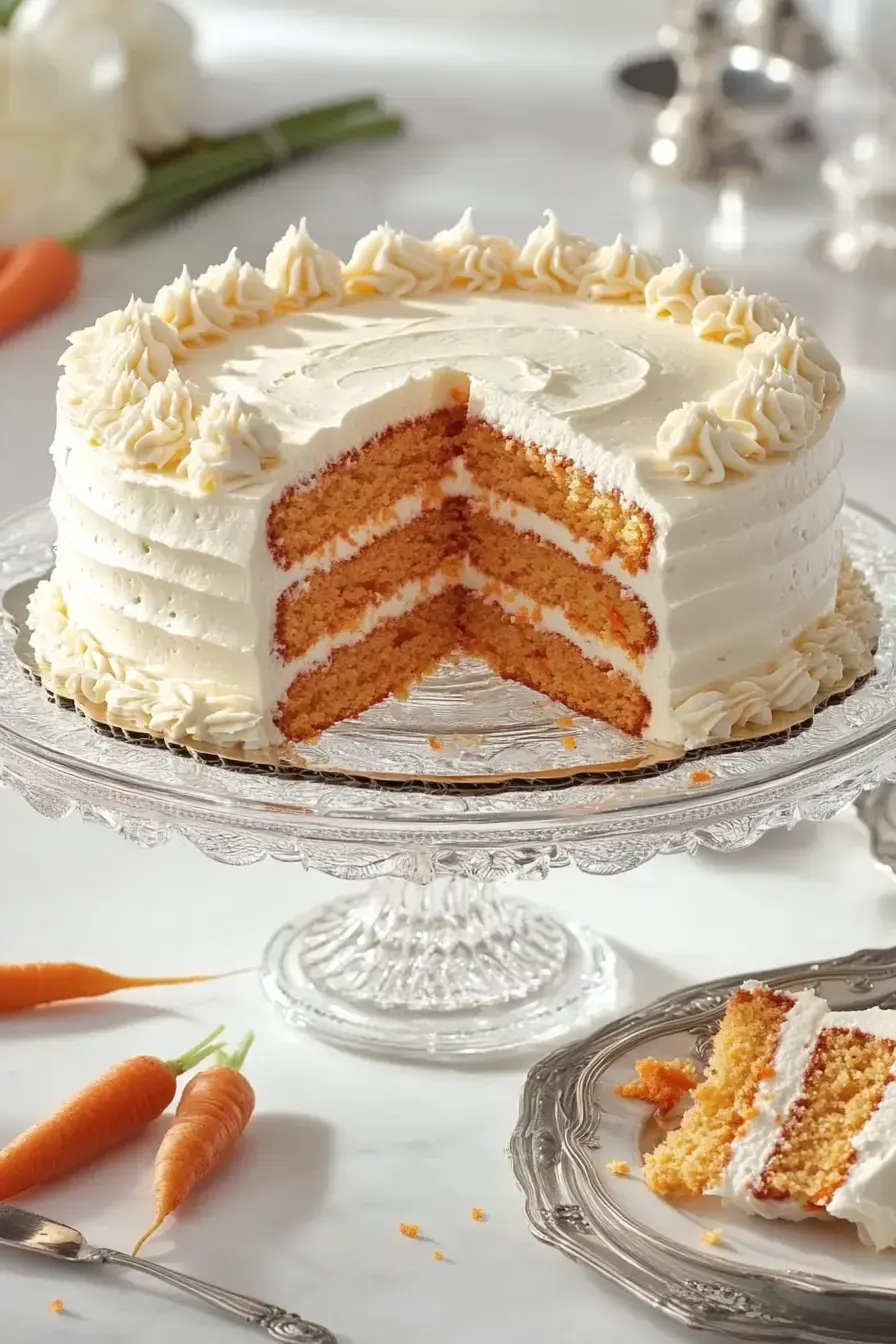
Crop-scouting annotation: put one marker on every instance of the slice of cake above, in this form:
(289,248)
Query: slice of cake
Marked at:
(796,1115)
(282,495)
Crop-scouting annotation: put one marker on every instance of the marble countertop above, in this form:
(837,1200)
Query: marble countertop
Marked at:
(511,117)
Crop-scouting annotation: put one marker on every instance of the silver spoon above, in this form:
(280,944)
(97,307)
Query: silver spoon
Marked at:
(30,1232)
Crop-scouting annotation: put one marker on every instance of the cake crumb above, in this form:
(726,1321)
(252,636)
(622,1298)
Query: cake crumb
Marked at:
(477,1215)
(409,1230)
(438,1255)
(569,742)
(712,1237)
(618,1167)
(663,1083)
(435,743)
(701,776)
(57,1306)
(564,721)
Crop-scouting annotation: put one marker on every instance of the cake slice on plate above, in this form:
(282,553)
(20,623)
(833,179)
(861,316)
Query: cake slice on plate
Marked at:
(796,1115)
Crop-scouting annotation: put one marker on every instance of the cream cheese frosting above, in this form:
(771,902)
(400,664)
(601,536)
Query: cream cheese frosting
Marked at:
(182,421)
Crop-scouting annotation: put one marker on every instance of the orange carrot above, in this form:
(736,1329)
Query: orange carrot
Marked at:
(215,1108)
(34,983)
(103,1114)
(37,276)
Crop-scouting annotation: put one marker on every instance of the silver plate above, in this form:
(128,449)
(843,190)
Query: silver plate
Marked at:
(773,1281)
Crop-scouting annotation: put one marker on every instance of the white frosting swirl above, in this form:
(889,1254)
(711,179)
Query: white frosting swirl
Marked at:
(198,315)
(736,317)
(698,444)
(79,666)
(551,259)
(475,261)
(618,273)
(389,261)
(800,353)
(831,649)
(234,444)
(114,362)
(675,291)
(241,287)
(775,408)
(154,433)
(300,272)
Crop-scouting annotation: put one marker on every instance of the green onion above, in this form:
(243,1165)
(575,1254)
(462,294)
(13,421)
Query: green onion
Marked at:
(181,181)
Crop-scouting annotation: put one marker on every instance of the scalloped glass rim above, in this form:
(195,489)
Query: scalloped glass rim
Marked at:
(848,747)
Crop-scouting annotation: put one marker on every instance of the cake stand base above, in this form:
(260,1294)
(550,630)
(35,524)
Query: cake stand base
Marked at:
(451,969)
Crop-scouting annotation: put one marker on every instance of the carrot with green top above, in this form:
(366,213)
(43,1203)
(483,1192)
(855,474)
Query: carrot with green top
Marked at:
(35,277)
(102,1115)
(214,1110)
(39,982)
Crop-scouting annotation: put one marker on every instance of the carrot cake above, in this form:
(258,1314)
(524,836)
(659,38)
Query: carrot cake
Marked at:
(796,1115)
(284,494)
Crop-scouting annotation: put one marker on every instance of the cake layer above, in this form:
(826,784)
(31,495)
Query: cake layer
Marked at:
(592,601)
(339,598)
(394,655)
(692,1159)
(550,664)
(553,485)
(842,1085)
(400,461)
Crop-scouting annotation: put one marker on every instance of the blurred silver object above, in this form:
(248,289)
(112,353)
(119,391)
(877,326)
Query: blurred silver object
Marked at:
(698,137)
(779,28)
(861,177)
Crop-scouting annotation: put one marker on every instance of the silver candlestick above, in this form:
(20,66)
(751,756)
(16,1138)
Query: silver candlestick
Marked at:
(696,137)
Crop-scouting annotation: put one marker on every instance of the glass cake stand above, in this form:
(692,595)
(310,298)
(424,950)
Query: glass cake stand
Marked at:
(427,805)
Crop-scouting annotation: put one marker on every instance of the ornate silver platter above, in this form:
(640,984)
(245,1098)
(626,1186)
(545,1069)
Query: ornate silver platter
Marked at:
(772,1281)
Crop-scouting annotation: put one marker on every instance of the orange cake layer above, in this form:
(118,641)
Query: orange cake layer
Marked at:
(390,659)
(843,1084)
(554,486)
(592,601)
(336,599)
(401,461)
(550,664)
(692,1159)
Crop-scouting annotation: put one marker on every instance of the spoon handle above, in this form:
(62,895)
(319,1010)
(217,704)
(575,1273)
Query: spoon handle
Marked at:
(280,1325)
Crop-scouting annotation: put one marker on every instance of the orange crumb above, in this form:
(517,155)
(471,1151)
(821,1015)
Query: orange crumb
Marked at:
(435,743)
(618,1168)
(438,1255)
(569,742)
(409,1230)
(477,1215)
(701,776)
(663,1083)
(712,1237)
(57,1306)
(564,721)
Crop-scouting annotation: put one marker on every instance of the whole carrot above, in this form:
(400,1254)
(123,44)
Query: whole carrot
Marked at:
(36,276)
(215,1108)
(39,982)
(103,1114)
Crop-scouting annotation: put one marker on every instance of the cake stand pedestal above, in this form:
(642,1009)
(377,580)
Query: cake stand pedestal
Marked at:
(431,805)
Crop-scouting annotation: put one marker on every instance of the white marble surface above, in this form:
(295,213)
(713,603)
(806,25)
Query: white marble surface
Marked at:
(511,117)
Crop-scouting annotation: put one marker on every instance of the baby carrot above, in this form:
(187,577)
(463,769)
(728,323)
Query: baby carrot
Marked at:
(34,983)
(104,1113)
(37,276)
(215,1108)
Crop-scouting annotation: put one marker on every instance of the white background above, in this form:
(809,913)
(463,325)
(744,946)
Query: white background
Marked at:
(509,110)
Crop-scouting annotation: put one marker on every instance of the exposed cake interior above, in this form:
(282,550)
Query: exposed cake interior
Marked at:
(414,519)
(691,1160)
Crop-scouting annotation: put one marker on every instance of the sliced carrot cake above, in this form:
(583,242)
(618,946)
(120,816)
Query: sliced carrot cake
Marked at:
(282,495)
(796,1115)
